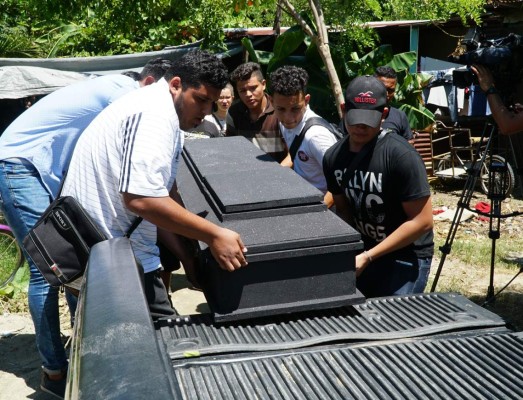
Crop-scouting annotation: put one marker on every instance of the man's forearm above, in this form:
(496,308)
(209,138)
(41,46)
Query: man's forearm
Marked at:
(419,221)
(287,161)
(225,245)
(167,214)
(508,122)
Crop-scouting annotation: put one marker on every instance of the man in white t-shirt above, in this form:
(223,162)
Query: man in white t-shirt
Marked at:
(125,165)
(288,86)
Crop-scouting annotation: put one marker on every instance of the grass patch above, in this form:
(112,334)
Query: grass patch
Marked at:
(478,253)
(466,269)
(13,295)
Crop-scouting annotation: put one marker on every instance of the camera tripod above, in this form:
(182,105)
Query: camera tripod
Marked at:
(497,192)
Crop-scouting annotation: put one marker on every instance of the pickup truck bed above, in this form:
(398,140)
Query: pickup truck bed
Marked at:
(430,346)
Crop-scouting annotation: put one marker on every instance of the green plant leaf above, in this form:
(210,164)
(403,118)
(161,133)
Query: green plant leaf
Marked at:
(379,56)
(419,117)
(7,291)
(312,55)
(247,44)
(264,57)
(285,45)
(402,61)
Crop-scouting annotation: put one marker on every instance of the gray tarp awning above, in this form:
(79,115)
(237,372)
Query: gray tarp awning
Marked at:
(23,77)
(21,81)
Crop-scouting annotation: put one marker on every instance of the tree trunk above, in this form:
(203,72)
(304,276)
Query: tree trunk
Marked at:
(322,41)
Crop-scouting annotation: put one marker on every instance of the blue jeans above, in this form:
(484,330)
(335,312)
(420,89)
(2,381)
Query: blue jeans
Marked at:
(23,198)
(389,276)
(423,275)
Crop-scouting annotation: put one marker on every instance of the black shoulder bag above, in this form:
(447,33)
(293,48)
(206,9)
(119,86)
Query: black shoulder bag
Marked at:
(60,242)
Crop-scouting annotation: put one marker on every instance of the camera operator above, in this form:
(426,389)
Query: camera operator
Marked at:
(508,119)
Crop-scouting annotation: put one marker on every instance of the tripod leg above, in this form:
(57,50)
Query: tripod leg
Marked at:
(445,249)
(489,300)
(463,202)
(518,169)
(490,289)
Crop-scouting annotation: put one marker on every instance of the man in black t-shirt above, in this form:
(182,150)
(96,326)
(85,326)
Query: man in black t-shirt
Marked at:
(380,187)
(395,119)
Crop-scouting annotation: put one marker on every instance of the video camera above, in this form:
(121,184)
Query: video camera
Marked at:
(503,56)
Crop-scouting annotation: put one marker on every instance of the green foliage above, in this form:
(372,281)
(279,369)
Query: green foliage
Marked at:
(15,42)
(284,46)
(18,286)
(288,50)
(436,10)
(247,44)
(211,14)
(368,63)
(294,48)
(102,27)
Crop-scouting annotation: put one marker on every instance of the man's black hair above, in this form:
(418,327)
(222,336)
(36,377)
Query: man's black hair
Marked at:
(157,67)
(198,67)
(385,72)
(243,72)
(132,74)
(289,80)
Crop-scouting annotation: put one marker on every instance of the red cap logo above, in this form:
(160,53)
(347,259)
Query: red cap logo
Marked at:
(365,97)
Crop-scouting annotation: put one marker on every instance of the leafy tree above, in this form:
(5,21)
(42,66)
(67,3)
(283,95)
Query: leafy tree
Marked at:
(435,10)
(409,89)
(15,42)
(361,11)
(100,27)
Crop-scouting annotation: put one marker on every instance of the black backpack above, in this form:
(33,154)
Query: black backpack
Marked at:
(296,143)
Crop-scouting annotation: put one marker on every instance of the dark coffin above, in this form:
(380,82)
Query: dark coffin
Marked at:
(300,254)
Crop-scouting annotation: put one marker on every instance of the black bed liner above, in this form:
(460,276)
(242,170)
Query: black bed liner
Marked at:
(385,318)
(432,346)
(479,366)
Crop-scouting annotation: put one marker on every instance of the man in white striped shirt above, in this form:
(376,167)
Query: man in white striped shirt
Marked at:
(125,164)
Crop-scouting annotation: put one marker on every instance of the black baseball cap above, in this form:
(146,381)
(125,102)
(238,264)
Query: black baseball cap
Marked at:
(365,99)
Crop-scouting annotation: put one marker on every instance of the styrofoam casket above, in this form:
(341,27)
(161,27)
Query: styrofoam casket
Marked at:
(301,255)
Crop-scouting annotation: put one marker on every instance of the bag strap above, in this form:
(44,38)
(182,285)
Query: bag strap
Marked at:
(61,184)
(131,229)
(133,226)
(217,121)
(298,140)
(332,128)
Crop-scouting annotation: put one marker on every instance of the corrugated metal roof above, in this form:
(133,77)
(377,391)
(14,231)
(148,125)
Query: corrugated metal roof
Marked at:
(264,31)
(504,2)
(385,24)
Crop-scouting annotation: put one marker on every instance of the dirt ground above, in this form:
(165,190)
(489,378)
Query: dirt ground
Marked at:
(19,361)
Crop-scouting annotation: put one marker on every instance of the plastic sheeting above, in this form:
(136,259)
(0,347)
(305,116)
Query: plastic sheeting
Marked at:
(17,82)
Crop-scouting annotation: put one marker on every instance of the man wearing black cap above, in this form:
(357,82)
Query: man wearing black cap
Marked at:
(379,184)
